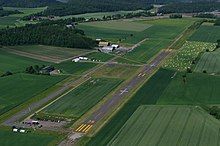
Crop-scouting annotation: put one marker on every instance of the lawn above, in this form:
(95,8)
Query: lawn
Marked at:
(69,67)
(206,33)
(116,71)
(19,88)
(198,89)
(147,50)
(84,97)
(167,126)
(15,63)
(147,94)
(99,56)
(13,20)
(209,62)
(8,138)
(50,53)
(119,25)
(187,54)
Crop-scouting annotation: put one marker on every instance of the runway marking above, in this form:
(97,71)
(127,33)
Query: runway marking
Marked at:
(84,125)
(89,128)
(123,91)
(84,128)
(79,127)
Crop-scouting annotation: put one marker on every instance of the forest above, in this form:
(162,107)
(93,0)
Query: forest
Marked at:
(195,7)
(46,34)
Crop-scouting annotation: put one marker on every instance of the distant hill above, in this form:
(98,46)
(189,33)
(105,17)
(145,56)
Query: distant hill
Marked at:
(27,3)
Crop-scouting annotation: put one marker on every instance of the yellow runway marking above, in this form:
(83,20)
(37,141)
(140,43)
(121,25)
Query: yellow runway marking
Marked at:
(79,127)
(89,128)
(84,125)
(86,128)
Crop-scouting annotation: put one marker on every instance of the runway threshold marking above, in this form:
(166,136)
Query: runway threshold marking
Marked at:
(84,128)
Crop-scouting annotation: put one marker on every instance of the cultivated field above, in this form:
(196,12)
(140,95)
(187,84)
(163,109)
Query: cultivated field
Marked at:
(188,53)
(126,32)
(8,138)
(209,62)
(18,88)
(206,34)
(147,50)
(168,125)
(84,97)
(13,20)
(47,53)
(198,89)
(99,14)
(15,63)
(116,71)
(148,94)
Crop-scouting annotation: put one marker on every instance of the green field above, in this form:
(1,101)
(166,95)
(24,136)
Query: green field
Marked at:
(147,50)
(206,34)
(8,138)
(116,71)
(209,62)
(147,94)
(98,56)
(69,67)
(49,52)
(15,63)
(119,25)
(126,32)
(19,88)
(84,97)
(198,89)
(13,20)
(188,53)
(99,14)
(167,126)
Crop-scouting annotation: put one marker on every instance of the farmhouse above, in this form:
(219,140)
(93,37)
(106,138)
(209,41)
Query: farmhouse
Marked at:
(107,49)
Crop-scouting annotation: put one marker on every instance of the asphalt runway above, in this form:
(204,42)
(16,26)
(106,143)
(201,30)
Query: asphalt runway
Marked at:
(123,92)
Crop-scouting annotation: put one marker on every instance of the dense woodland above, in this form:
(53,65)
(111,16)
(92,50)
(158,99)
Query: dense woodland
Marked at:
(46,34)
(6,13)
(190,7)
(27,3)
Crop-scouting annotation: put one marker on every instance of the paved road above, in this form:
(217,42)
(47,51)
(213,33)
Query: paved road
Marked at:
(121,93)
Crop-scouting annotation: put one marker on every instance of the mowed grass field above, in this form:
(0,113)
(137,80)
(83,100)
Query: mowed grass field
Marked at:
(84,97)
(206,33)
(133,31)
(47,53)
(116,71)
(148,94)
(99,56)
(8,138)
(13,20)
(79,68)
(209,62)
(147,50)
(187,54)
(15,63)
(19,88)
(199,89)
(168,126)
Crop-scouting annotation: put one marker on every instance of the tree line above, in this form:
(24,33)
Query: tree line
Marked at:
(7,12)
(47,33)
(194,7)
